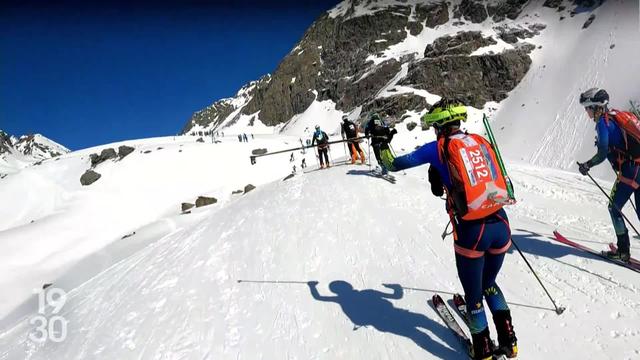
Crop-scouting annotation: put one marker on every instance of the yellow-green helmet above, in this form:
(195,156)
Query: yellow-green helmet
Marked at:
(444,112)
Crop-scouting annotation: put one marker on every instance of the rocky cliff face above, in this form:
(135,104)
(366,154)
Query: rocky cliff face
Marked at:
(367,55)
(5,142)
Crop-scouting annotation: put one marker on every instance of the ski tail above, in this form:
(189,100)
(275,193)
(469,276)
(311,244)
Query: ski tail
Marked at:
(494,144)
(443,311)
(560,238)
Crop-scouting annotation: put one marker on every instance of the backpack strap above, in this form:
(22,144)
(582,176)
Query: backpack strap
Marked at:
(443,147)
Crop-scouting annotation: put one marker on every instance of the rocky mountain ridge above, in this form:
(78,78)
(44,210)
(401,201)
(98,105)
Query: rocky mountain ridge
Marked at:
(34,145)
(366,55)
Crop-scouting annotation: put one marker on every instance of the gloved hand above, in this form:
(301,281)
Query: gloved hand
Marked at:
(394,131)
(584,168)
(437,187)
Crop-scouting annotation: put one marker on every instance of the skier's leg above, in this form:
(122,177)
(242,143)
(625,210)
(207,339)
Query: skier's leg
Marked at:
(620,194)
(499,233)
(496,241)
(326,156)
(376,152)
(469,263)
(320,157)
(352,152)
(357,146)
(470,274)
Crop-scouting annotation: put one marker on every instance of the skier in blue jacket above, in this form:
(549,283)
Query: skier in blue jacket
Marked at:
(619,149)
(480,245)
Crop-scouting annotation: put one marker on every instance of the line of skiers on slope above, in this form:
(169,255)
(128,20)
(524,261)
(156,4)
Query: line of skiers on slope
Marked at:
(376,129)
(465,167)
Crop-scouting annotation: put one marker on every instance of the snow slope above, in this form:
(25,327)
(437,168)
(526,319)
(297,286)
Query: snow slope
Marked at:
(49,222)
(234,284)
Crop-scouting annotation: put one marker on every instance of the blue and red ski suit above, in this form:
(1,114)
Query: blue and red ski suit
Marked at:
(480,245)
(611,145)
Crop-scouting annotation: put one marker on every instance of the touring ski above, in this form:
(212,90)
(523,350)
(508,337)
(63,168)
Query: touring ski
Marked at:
(461,307)
(390,178)
(443,311)
(564,240)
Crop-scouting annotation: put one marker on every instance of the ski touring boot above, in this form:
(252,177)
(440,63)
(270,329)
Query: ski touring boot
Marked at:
(507,341)
(482,348)
(617,255)
(622,253)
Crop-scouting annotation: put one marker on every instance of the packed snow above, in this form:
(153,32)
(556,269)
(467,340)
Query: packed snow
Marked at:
(49,221)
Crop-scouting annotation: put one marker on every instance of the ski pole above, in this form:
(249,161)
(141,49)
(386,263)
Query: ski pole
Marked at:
(369,152)
(612,204)
(559,310)
(503,169)
(344,145)
(633,205)
(392,151)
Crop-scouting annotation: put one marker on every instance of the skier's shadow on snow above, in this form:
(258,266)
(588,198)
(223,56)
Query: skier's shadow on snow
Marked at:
(371,308)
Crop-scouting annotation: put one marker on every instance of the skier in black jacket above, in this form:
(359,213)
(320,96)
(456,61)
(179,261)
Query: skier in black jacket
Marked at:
(350,132)
(381,136)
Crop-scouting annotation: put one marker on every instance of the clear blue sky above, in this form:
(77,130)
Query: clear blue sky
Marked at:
(85,74)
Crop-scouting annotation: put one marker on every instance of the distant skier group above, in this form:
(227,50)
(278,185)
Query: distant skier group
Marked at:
(375,129)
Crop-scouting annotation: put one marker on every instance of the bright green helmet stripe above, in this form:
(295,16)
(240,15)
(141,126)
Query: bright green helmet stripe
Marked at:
(444,116)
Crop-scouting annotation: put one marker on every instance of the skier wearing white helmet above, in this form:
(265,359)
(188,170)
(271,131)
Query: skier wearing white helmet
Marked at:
(618,140)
